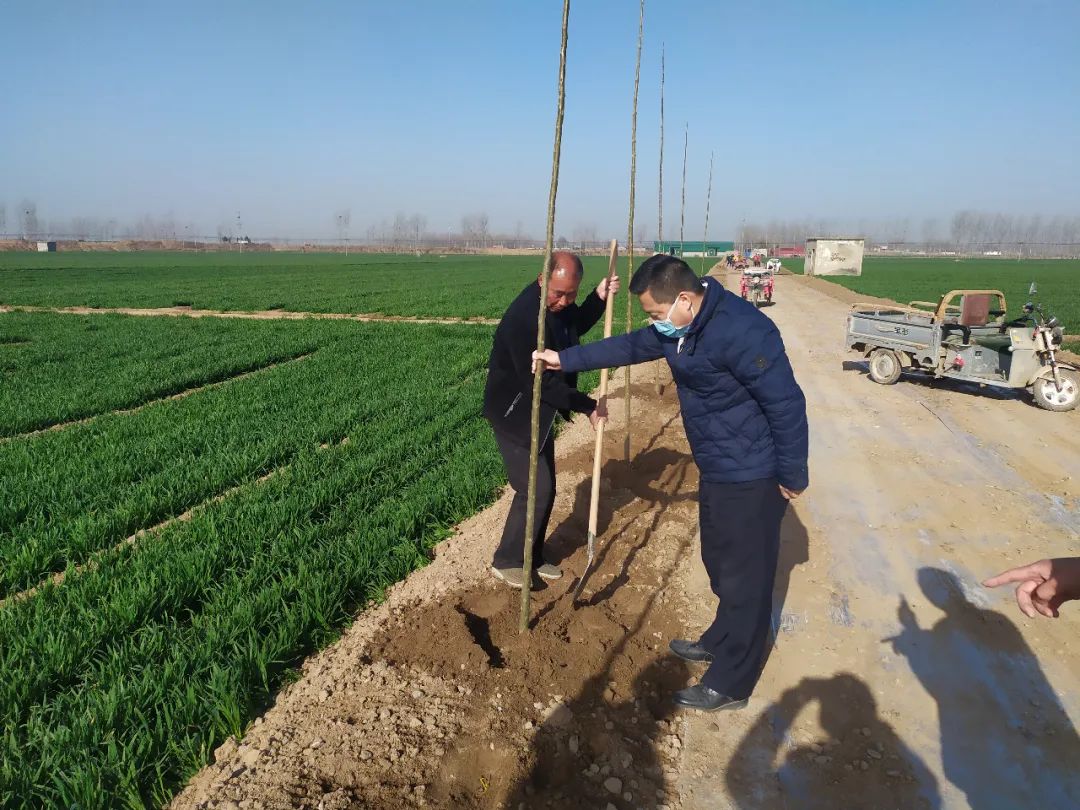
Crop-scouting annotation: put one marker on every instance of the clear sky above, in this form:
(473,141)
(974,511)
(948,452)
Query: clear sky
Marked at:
(290,111)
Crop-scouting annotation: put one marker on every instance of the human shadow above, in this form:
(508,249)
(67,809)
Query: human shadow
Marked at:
(1006,739)
(599,751)
(677,476)
(794,551)
(654,479)
(604,748)
(623,483)
(859,762)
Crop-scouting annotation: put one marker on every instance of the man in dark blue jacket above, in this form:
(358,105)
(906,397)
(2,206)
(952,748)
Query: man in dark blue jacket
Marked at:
(745,418)
(508,402)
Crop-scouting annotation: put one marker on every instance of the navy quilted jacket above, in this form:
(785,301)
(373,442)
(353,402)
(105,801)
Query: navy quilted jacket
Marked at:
(745,415)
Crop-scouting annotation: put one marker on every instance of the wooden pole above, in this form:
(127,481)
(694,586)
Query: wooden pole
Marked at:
(598,449)
(630,224)
(660,195)
(708,202)
(526,573)
(682,212)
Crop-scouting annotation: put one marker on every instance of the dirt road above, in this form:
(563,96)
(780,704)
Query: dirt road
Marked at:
(896,680)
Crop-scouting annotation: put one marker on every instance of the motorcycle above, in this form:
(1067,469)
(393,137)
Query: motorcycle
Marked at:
(756,285)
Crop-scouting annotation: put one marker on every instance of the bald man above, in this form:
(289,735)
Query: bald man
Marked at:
(508,403)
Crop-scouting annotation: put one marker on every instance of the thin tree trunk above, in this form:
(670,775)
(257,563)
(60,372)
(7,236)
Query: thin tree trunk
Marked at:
(682,211)
(708,202)
(660,194)
(630,223)
(526,573)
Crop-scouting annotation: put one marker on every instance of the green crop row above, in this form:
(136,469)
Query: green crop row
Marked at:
(141,666)
(119,683)
(432,285)
(71,493)
(58,369)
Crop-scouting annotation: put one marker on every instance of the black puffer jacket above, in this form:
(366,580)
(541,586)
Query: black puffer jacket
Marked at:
(508,395)
(744,413)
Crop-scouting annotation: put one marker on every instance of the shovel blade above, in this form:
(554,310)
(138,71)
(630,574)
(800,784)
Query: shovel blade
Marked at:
(588,566)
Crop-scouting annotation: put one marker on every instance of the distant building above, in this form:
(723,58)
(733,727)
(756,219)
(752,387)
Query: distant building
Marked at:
(687,248)
(46,247)
(834,256)
(789,251)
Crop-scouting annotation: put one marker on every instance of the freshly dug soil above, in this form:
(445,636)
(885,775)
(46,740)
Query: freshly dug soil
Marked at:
(434,699)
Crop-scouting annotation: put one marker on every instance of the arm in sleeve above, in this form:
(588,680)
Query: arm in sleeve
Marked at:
(553,387)
(761,364)
(638,346)
(589,312)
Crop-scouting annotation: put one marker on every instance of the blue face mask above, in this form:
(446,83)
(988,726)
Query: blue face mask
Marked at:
(668,329)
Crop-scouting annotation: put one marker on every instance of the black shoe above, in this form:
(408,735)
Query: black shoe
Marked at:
(702,697)
(690,651)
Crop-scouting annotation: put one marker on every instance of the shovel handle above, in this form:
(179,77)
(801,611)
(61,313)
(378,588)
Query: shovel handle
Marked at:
(598,450)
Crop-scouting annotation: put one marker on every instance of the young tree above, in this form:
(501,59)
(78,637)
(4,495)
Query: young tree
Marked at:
(417,226)
(30,227)
(482,227)
(400,229)
(342,219)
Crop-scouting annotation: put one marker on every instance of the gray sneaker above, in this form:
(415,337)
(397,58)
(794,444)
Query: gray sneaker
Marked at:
(511,576)
(549,571)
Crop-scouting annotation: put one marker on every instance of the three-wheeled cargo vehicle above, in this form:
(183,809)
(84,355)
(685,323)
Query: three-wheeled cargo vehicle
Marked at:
(965,336)
(756,285)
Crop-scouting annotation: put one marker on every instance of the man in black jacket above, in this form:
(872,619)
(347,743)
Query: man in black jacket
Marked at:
(508,402)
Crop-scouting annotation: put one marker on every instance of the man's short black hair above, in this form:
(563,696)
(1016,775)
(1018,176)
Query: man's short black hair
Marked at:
(664,277)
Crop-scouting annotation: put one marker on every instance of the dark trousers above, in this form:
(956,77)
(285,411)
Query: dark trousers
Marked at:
(511,550)
(740,544)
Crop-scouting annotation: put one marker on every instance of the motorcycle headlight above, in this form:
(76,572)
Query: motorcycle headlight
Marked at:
(1057,334)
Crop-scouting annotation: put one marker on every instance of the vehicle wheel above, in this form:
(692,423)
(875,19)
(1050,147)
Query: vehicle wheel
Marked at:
(885,366)
(757,298)
(1047,395)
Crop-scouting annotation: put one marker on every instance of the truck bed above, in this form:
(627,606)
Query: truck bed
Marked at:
(892,327)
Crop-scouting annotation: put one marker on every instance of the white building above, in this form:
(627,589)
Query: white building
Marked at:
(834,256)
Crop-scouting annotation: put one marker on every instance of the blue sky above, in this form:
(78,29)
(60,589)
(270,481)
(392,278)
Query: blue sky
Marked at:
(289,112)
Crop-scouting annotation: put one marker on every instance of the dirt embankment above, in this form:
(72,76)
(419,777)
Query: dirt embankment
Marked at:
(435,700)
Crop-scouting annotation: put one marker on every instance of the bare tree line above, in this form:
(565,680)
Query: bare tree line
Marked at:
(404,232)
(28,225)
(965,232)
